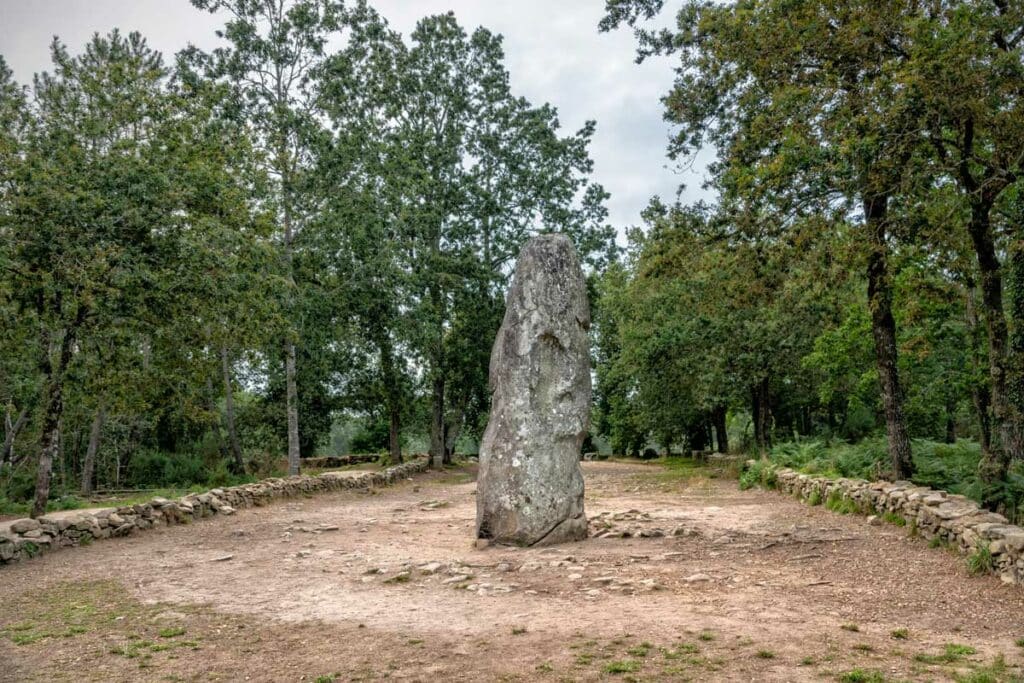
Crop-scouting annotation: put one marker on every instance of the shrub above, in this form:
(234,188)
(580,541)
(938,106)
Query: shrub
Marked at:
(980,561)
(759,473)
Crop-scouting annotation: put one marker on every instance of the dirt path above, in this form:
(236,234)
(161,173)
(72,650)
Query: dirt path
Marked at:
(742,586)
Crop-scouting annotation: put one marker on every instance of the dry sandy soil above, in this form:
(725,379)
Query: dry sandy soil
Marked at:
(388,585)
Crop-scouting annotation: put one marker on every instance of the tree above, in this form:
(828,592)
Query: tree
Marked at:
(968,64)
(808,108)
(451,173)
(274,46)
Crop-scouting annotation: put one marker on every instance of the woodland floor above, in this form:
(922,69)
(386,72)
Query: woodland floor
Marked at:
(758,587)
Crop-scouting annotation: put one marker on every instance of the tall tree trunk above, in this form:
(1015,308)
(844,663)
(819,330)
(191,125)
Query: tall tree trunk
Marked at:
(292,399)
(718,415)
(452,432)
(10,434)
(229,413)
(393,394)
(284,167)
(764,415)
(1007,425)
(883,329)
(950,424)
(437,440)
(979,387)
(437,421)
(758,411)
(89,464)
(53,411)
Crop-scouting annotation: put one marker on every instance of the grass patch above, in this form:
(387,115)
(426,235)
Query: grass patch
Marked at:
(980,561)
(172,632)
(766,654)
(850,627)
(518,630)
(862,676)
(640,650)
(951,654)
(837,502)
(706,636)
(814,498)
(893,518)
(900,634)
(622,666)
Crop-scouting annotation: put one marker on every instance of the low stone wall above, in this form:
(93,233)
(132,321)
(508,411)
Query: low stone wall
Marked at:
(30,537)
(957,520)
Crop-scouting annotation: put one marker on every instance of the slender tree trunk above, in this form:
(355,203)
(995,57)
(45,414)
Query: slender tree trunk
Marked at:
(883,329)
(437,421)
(53,410)
(393,394)
(1006,417)
(452,432)
(291,392)
(211,406)
(89,464)
(10,434)
(437,440)
(979,387)
(721,435)
(764,414)
(229,413)
(756,415)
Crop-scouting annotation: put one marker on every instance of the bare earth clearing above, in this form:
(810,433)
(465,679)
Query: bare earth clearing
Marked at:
(755,587)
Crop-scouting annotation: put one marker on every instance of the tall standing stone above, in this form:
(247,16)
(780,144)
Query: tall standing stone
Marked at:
(530,486)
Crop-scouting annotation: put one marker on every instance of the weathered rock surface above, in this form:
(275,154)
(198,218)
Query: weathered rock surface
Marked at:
(530,486)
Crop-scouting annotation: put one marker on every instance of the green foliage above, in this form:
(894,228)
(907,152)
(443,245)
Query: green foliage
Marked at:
(758,473)
(980,561)
(862,676)
(951,653)
(949,467)
(837,502)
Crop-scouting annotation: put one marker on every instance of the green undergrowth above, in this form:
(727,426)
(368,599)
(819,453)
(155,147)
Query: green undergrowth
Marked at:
(949,467)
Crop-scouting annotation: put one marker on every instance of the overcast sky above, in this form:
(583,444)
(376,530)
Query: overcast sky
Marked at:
(554,54)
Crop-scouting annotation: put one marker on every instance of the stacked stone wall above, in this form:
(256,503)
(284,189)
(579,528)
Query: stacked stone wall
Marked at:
(957,521)
(30,537)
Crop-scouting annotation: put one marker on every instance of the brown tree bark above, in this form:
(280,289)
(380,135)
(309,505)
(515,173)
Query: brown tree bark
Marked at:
(229,414)
(1007,423)
(883,329)
(89,464)
(53,410)
(979,390)
(718,416)
(11,430)
(393,397)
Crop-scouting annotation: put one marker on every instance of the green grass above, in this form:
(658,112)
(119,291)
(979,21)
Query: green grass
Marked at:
(622,666)
(900,634)
(951,654)
(172,632)
(640,650)
(850,627)
(980,561)
(766,654)
(893,518)
(862,676)
(837,502)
